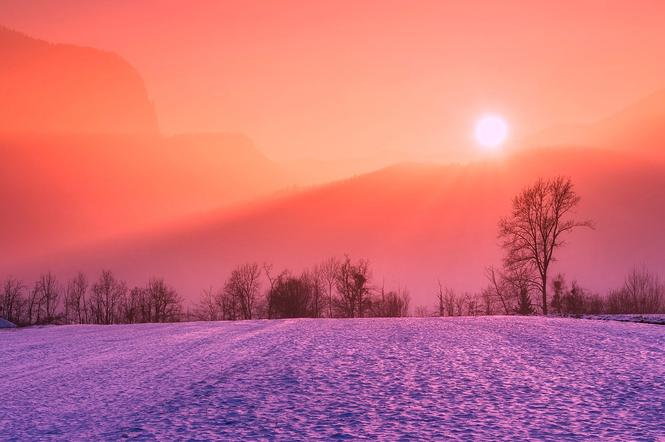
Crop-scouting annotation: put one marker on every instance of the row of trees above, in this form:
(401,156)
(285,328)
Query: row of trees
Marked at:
(540,219)
(641,293)
(107,300)
(345,292)
(335,288)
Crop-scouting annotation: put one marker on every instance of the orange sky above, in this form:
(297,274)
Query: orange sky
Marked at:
(334,79)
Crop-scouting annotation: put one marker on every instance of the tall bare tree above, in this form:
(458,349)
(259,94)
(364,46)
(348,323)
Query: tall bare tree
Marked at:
(11,300)
(208,308)
(243,288)
(535,229)
(75,301)
(107,297)
(353,286)
(165,303)
(329,269)
(45,298)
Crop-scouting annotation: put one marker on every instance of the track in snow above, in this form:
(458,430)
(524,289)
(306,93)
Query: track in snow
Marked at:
(428,378)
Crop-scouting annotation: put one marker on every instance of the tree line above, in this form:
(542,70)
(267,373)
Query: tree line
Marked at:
(106,300)
(641,293)
(334,288)
(540,220)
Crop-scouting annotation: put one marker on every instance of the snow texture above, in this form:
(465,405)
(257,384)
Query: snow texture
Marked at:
(430,378)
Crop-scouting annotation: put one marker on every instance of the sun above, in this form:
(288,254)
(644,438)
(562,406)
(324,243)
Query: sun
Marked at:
(491,131)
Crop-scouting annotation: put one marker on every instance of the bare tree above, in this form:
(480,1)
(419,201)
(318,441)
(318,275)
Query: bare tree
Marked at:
(353,286)
(135,308)
(420,311)
(12,302)
(44,299)
(498,287)
(292,297)
(440,299)
(165,303)
(315,281)
(329,269)
(535,228)
(642,293)
(106,300)
(76,310)
(209,308)
(243,287)
(395,304)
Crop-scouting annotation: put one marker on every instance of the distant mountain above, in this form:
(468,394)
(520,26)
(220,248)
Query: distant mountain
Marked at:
(638,127)
(47,88)
(81,156)
(66,189)
(416,223)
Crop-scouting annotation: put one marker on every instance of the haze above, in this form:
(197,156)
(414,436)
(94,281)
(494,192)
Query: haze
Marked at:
(154,138)
(389,81)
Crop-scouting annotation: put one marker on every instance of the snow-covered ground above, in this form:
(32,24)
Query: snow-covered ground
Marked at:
(482,378)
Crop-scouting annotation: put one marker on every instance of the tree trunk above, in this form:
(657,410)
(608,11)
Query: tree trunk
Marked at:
(545,294)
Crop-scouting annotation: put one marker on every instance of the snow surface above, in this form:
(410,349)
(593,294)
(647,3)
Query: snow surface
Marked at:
(423,378)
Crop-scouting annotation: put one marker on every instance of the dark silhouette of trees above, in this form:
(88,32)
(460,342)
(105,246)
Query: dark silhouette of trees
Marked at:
(292,297)
(208,308)
(524,306)
(12,302)
(536,227)
(352,284)
(313,279)
(242,290)
(642,293)
(107,296)
(393,304)
(76,310)
(329,269)
(44,300)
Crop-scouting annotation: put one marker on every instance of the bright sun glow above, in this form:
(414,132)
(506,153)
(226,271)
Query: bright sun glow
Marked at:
(491,131)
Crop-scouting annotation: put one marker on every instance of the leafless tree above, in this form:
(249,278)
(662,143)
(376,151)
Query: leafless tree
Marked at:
(394,304)
(76,310)
(209,308)
(243,287)
(135,307)
(292,297)
(12,300)
(498,288)
(165,303)
(329,269)
(315,281)
(534,230)
(272,280)
(642,293)
(44,299)
(420,311)
(440,300)
(353,286)
(106,300)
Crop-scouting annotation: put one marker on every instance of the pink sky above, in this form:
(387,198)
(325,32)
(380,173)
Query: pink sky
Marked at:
(336,79)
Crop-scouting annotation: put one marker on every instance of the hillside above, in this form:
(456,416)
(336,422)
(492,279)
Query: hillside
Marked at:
(63,190)
(639,127)
(47,87)
(415,223)
(82,159)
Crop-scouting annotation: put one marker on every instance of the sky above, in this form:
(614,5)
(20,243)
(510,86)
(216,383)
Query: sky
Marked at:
(368,78)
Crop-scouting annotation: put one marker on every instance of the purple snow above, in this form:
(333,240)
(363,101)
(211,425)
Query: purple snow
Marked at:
(482,378)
